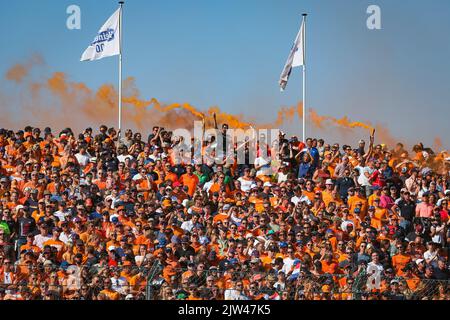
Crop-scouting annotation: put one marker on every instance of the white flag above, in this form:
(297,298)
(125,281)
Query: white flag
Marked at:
(107,41)
(296,57)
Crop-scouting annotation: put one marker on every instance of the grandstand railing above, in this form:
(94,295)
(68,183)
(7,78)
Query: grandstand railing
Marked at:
(319,287)
(303,287)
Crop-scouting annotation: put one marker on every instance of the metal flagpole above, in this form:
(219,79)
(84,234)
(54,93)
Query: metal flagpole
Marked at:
(120,69)
(304,76)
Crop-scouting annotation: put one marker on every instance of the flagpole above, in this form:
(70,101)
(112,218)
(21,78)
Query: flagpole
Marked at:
(304,77)
(120,69)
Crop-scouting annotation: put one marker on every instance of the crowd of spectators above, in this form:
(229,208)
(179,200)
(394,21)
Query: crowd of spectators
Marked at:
(105,217)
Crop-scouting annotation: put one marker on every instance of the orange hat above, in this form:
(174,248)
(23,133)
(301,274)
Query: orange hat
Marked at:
(167,203)
(326,288)
(120,208)
(126,263)
(56,164)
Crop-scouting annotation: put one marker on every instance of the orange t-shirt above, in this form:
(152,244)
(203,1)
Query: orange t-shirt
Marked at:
(352,201)
(400,261)
(330,268)
(379,215)
(111,294)
(189,181)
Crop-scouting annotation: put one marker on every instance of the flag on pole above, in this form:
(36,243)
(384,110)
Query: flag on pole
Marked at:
(107,41)
(296,57)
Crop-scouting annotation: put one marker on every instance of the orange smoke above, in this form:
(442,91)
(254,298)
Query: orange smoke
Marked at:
(20,71)
(344,122)
(437,145)
(316,119)
(59,101)
(232,120)
(285,114)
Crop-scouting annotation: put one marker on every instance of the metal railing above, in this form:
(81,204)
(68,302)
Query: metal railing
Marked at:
(303,287)
(260,285)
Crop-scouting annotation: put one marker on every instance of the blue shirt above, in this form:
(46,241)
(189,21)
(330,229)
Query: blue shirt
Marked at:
(315,155)
(303,170)
(95,215)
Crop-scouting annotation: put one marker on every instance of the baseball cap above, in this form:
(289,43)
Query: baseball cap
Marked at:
(48,263)
(76,219)
(114,219)
(419,261)
(329,181)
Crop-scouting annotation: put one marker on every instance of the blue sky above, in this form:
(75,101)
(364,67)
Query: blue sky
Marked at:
(230,54)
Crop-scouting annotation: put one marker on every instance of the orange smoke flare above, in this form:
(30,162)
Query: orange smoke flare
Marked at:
(20,71)
(78,104)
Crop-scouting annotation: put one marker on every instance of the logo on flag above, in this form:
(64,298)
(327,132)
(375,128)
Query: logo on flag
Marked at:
(104,36)
(107,41)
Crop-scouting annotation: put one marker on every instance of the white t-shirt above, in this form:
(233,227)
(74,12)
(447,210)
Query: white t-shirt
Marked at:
(61,215)
(122,157)
(295,200)
(265,169)
(288,263)
(428,255)
(245,183)
(208,185)
(370,265)
(64,238)
(39,240)
(187,225)
(282,177)
(362,179)
(83,159)
(233,294)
